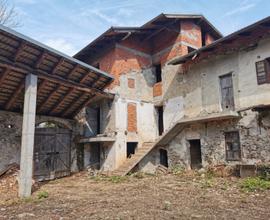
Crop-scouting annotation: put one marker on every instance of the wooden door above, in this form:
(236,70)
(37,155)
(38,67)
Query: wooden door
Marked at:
(51,153)
(226,87)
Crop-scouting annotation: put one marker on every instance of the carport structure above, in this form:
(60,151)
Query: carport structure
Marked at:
(36,79)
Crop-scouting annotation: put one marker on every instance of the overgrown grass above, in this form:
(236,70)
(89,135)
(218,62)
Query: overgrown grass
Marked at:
(252,184)
(112,179)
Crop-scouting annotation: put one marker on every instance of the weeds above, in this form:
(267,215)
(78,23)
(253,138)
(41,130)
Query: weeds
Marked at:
(252,184)
(112,179)
(42,195)
(167,205)
(177,169)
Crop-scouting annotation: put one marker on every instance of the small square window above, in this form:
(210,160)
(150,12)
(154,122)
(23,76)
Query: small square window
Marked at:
(131,83)
(233,148)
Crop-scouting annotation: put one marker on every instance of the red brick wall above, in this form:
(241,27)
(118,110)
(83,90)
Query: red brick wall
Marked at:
(208,39)
(157,89)
(120,61)
(191,33)
(132,117)
(164,46)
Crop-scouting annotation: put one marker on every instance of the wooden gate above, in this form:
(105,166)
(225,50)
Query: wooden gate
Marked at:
(51,153)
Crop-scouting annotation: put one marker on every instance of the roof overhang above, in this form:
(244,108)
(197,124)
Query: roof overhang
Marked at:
(65,84)
(116,34)
(247,36)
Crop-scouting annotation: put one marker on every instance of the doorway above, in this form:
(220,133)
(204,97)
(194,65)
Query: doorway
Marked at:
(160,120)
(163,156)
(51,153)
(131,148)
(94,160)
(195,154)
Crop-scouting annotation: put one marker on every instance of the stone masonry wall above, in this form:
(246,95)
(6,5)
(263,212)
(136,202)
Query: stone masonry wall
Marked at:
(10,137)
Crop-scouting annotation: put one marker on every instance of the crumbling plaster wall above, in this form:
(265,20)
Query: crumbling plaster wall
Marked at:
(199,88)
(11,131)
(146,127)
(254,130)
(133,59)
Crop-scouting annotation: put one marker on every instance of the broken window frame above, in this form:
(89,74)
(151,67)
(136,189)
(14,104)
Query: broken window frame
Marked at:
(263,71)
(232,139)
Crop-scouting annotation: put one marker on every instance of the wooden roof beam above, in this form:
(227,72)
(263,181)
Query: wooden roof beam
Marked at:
(19,51)
(76,67)
(43,84)
(42,56)
(59,63)
(48,98)
(4,74)
(56,79)
(14,96)
(84,104)
(67,95)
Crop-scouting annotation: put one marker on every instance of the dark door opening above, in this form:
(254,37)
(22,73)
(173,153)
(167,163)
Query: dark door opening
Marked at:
(131,148)
(98,121)
(95,156)
(195,154)
(160,120)
(163,155)
(158,73)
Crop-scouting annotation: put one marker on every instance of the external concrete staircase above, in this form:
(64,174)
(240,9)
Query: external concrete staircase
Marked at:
(167,136)
(130,163)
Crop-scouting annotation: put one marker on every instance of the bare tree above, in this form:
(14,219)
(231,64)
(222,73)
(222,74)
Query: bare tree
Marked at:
(8,15)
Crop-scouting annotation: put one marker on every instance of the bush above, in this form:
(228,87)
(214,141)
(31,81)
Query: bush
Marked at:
(255,183)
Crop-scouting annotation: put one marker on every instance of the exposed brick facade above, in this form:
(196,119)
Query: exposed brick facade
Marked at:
(157,89)
(208,39)
(132,117)
(136,53)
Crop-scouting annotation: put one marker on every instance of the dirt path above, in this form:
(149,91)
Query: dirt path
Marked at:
(151,197)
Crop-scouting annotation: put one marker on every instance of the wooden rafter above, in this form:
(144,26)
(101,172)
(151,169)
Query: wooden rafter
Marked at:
(40,59)
(44,82)
(14,96)
(76,67)
(48,98)
(82,80)
(19,51)
(56,79)
(59,63)
(77,100)
(4,75)
(84,104)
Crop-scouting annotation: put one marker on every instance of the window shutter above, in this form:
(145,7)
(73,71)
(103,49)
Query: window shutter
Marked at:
(261,71)
(267,69)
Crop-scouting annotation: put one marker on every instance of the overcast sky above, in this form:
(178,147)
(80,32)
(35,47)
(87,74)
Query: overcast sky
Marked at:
(69,25)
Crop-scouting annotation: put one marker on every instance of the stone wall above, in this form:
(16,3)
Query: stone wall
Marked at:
(11,131)
(254,130)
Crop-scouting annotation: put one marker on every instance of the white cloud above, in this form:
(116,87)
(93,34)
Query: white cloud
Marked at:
(61,45)
(241,9)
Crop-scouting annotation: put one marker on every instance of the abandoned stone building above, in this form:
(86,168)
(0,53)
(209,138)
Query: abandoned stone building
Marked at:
(171,92)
